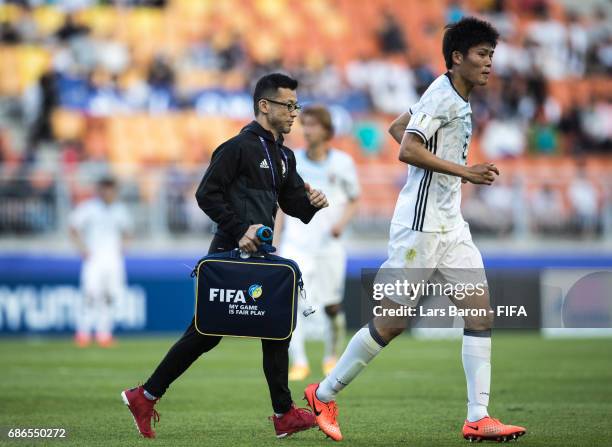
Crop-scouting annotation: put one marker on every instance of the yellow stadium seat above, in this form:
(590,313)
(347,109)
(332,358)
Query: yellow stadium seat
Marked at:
(102,20)
(48,19)
(33,61)
(67,124)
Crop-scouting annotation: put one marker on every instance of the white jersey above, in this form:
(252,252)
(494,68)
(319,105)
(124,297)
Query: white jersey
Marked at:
(336,176)
(430,201)
(102,227)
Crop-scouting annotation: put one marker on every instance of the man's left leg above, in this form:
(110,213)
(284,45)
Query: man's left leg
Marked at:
(287,418)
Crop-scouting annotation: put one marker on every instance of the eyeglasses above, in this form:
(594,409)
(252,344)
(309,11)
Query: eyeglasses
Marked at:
(291,106)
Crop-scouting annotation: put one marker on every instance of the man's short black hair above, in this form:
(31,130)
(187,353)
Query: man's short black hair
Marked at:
(465,34)
(268,85)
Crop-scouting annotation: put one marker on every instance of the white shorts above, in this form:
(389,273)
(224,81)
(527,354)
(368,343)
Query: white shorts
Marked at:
(443,258)
(103,280)
(323,275)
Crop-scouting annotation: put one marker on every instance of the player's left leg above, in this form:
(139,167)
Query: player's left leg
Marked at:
(300,368)
(334,336)
(463,265)
(332,274)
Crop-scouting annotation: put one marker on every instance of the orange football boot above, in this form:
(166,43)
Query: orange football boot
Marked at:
(490,429)
(325,412)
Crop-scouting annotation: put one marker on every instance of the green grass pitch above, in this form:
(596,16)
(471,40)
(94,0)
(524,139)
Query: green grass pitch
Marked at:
(413,394)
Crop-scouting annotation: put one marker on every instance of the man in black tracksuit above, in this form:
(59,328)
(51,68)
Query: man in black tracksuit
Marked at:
(249,176)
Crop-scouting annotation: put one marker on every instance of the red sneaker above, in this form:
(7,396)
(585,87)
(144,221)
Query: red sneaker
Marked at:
(296,419)
(142,410)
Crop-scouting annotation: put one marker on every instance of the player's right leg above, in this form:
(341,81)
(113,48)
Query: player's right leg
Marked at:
(383,328)
(363,347)
(91,286)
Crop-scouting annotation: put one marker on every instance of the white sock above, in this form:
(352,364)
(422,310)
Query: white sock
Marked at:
(149,395)
(360,351)
(476,355)
(86,318)
(333,340)
(297,347)
(104,323)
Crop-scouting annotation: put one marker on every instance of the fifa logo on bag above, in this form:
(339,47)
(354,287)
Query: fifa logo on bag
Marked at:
(235,296)
(255,291)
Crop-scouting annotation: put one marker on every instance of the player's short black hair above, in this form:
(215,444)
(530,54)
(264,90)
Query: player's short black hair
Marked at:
(465,34)
(268,85)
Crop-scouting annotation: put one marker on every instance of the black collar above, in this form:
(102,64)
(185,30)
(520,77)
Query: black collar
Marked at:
(258,130)
(450,79)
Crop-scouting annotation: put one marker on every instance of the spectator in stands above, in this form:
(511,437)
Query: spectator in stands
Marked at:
(584,199)
(39,101)
(550,37)
(26,25)
(70,29)
(596,121)
(578,44)
(9,35)
(160,79)
(599,58)
(423,75)
(232,54)
(543,136)
(504,137)
(391,39)
(547,211)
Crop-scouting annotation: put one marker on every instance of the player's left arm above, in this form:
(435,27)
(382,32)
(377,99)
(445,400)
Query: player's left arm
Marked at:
(398,126)
(351,187)
(77,221)
(126,225)
(299,199)
(347,215)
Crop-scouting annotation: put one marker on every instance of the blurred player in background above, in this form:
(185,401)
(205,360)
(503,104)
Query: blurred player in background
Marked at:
(99,228)
(428,235)
(318,249)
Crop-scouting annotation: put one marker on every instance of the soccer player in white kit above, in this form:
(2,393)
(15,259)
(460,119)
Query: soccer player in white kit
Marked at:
(99,228)
(428,236)
(318,248)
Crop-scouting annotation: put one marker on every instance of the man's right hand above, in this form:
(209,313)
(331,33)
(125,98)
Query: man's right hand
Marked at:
(250,242)
(481,174)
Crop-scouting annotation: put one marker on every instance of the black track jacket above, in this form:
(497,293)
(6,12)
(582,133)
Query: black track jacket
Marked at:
(243,183)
